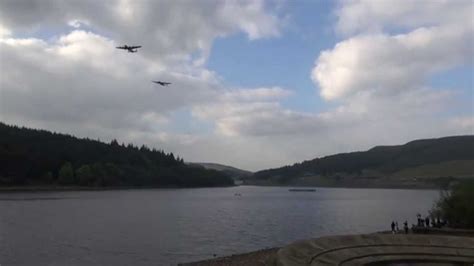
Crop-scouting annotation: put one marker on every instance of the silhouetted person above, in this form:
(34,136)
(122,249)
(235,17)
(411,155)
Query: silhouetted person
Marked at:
(396,227)
(405,226)
(418,216)
(393,227)
(427,221)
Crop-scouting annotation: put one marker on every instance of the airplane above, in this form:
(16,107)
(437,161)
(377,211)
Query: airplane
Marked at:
(162,83)
(130,49)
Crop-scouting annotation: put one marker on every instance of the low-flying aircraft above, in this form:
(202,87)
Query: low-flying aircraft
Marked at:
(130,49)
(162,83)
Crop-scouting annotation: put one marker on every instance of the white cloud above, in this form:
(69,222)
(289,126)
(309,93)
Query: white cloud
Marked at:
(384,63)
(4,32)
(75,23)
(82,78)
(372,16)
(254,112)
(256,94)
(248,17)
(168,30)
(80,75)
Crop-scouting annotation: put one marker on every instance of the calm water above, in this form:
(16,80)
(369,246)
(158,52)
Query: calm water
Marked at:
(164,227)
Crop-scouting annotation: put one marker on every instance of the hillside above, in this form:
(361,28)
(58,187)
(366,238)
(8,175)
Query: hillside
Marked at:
(428,162)
(233,172)
(30,157)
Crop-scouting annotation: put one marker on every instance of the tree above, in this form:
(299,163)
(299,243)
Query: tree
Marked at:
(84,175)
(114,143)
(455,206)
(66,174)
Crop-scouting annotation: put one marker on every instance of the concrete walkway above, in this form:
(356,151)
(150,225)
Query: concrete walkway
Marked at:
(379,249)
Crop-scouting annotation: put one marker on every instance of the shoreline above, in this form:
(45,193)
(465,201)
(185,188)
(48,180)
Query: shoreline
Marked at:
(261,257)
(80,188)
(411,187)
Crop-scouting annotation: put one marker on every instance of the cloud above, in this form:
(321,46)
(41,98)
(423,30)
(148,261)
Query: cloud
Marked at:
(4,32)
(255,94)
(383,63)
(168,30)
(466,123)
(368,16)
(256,119)
(254,112)
(81,78)
(394,48)
(75,23)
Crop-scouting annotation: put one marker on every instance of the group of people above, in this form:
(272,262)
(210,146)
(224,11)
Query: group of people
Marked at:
(426,222)
(429,223)
(395,228)
(423,222)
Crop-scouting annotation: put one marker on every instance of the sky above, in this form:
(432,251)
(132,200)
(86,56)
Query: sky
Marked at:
(255,84)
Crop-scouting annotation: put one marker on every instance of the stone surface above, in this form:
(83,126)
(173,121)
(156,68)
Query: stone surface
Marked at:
(378,249)
(264,257)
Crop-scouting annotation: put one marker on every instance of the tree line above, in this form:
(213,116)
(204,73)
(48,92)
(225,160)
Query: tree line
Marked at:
(30,157)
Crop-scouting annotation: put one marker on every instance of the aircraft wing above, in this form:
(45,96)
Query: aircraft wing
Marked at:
(162,83)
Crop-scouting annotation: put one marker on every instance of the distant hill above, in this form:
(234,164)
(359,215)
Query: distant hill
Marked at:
(233,172)
(30,157)
(428,162)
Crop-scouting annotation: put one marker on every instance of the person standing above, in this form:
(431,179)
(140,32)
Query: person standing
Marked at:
(393,227)
(405,226)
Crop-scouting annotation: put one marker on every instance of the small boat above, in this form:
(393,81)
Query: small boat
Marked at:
(302,189)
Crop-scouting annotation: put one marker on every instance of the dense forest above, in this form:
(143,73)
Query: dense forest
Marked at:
(384,160)
(30,157)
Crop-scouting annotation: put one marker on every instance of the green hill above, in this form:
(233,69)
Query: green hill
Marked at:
(428,162)
(233,172)
(30,157)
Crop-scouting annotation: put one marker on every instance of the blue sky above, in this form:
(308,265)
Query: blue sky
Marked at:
(287,60)
(283,61)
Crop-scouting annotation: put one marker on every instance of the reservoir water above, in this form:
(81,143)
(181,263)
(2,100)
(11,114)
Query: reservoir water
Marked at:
(168,226)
